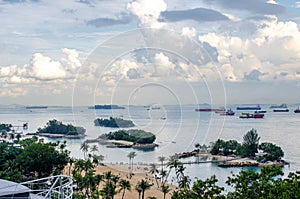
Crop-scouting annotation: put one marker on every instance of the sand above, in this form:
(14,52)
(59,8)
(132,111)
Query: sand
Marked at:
(139,172)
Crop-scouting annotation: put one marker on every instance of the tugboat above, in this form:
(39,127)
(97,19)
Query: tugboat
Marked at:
(229,112)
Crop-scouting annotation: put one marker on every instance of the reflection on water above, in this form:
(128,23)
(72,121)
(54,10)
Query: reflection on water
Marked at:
(179,131)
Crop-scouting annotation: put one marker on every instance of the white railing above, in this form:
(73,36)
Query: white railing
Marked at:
(53,187)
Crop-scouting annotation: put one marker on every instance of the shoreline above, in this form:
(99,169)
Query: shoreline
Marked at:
(139,172)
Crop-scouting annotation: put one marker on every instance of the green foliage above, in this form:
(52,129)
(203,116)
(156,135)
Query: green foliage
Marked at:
(264,185)
(247,149)
(57,127)
(5,127)
(250,143)
(42,159)
(114,122)
(86,180)
(200,190)
(221,147)
(273,152)
(143,185)
(132,135)
(34,160)
(9,168)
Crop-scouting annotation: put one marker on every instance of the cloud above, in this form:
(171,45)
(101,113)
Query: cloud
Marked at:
(19,1)
(253,75)
(132,73)
(197,14)
(147,11)
(241,57)
(190,32)
(103,22)
(254,6)
(42,68)
(297,4)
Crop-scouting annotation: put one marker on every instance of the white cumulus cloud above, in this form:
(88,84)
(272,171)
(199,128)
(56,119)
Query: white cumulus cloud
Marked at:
(148,11)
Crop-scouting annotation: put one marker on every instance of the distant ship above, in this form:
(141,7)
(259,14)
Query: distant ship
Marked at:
(36,107)
(250,115)
(281,110)
(297,110)
(279,106)
(229,112)
(248,108)
(109,106)
(210,110)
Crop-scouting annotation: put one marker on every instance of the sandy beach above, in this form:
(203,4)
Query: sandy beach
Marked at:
(139,172)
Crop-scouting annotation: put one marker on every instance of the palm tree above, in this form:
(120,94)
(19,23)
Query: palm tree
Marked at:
(163,174)
(162,159)
(144,185)
(131,156)
(18,136)
(173,163)
(153,171)
(124,185)
(94,148)
(84,148)
(165,189)
(138,189)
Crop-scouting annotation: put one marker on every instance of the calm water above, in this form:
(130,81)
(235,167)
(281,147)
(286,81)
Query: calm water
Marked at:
(182,128)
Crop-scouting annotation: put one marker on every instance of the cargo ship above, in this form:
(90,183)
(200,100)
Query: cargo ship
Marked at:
(106,106)
(210,110)
(36,107)
(248,108)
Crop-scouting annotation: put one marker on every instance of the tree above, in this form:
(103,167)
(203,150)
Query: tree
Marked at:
(131,156)
(273,152)
(85,179)
(143,186)
(252,185)
(124,185)
(84,148)
(165,189)
(162,159)
(162,173)
(138,189)
(153,171)
(250,143)
(94,149)
(32,159)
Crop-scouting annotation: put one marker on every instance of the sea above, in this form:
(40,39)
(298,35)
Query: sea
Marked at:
(177,128)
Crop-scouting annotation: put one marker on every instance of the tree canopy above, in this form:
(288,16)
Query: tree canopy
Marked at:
(56,127)
(132,135)
(114,122)
(33,160)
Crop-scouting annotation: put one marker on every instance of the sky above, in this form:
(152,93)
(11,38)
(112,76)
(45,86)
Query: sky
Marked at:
(146,52)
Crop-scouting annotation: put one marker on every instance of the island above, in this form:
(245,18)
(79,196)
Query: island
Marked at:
(133,138)
(231,153)
(114,123)
(56,129)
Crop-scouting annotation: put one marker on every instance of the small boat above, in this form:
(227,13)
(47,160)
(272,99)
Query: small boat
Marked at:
(248,107)
(229,112)
(250,115)
(297,110)
(262,111)
(281,110)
